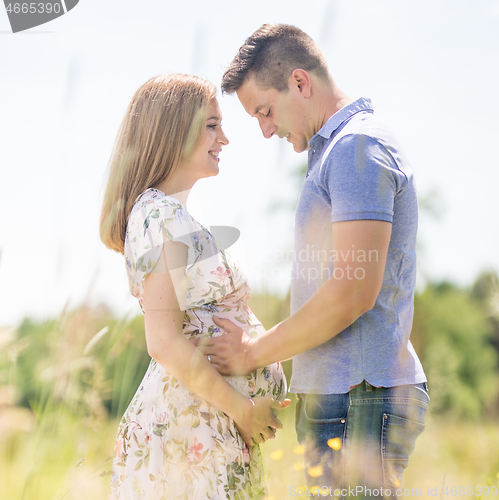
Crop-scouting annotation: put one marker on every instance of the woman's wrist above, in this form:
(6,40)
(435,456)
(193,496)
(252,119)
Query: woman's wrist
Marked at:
(243,408)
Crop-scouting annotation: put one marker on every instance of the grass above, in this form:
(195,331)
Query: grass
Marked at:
(447,453)
(64,458)
(61,448)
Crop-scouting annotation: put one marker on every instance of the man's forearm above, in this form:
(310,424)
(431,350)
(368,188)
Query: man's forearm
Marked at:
(338,302)
(334,307)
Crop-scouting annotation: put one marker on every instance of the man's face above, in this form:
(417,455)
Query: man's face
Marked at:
(278,113)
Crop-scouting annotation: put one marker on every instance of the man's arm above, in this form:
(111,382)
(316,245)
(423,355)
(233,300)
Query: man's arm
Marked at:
(340,301)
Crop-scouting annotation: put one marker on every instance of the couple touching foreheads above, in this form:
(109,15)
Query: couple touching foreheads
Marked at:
(215,383)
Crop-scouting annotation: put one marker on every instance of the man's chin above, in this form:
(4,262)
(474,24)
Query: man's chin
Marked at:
(299,148)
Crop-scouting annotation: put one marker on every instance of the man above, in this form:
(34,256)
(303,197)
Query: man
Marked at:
(361,388)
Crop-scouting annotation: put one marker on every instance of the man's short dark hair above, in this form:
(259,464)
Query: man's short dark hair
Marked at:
(271,54)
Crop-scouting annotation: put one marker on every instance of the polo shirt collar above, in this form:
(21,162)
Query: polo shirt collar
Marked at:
(362,104)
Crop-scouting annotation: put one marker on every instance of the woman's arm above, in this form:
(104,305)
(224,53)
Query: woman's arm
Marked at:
(169,347)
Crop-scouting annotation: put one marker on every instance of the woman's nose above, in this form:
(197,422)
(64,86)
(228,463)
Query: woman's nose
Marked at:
(222,139)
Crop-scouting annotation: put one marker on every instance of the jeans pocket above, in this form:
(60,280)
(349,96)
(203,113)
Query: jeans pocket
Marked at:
(325,416)
(322,430)
(398,441)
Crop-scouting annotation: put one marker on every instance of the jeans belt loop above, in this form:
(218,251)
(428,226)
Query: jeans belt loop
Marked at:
(369,387)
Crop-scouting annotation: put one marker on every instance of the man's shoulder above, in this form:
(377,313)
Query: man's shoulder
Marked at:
(359,135)
(365,124)
(363,132)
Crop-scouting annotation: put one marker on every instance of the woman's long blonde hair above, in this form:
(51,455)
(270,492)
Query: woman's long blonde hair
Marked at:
(162,125)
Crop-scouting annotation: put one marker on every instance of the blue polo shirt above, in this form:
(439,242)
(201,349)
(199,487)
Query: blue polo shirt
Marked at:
(356,171)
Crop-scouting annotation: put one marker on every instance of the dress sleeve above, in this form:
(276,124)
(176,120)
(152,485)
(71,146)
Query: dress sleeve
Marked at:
(153,223)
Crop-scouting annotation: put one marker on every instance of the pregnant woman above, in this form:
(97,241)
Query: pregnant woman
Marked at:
(188,433)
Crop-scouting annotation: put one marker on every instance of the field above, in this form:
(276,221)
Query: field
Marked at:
(64,458)
(65,382)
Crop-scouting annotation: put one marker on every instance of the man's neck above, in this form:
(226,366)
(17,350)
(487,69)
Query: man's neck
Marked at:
(330,99)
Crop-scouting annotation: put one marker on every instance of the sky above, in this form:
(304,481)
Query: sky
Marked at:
(430,67)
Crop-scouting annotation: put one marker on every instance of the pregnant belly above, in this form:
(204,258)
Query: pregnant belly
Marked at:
(266,381)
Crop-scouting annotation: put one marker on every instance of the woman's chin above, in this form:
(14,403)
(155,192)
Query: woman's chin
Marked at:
(213,171)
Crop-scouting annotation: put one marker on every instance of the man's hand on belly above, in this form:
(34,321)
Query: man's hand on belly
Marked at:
(230,354)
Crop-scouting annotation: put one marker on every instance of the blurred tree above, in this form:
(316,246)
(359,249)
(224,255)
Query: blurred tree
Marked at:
(485,291)
(452,336)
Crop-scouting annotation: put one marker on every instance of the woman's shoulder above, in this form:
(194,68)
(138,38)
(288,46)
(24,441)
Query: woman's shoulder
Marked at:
(154,204)
(153,198)
(155,213)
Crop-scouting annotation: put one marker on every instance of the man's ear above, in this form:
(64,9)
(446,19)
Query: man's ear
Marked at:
(300,80)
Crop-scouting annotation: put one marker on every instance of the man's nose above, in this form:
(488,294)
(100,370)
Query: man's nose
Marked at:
(268,128)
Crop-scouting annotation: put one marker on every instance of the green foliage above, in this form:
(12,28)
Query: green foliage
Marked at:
(30,355)
(77,379)
(453,337)
(126,359)
(54,363)
(271,309)
(486,292)
(51,363)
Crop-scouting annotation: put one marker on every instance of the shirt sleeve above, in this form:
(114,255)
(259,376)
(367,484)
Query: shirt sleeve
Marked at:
(361,179)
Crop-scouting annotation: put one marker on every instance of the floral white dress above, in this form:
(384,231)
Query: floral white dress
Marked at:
(170,443)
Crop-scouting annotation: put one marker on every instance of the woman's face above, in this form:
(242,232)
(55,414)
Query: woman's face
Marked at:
(203,162)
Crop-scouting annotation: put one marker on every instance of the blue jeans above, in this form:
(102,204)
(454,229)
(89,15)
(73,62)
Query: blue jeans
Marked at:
(360,441)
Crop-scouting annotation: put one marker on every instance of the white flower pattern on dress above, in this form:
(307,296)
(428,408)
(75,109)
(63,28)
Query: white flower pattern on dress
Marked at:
(170,443)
